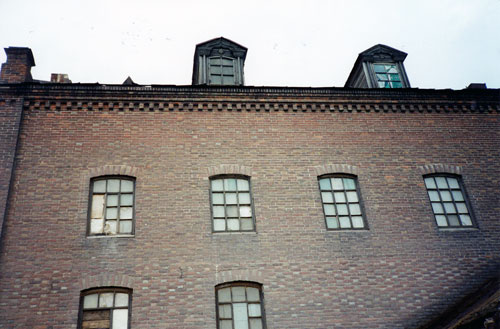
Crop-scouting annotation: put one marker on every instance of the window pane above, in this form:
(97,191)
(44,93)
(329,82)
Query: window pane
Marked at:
(449,208)
(354,209)
(441,182)
(391,69)
(110,227)
(457,196)
(465,219)
(224,295)
(352,196)
(339,197)
(90,301)
(445,195)
(99,186)
(228,80)
(254,310)
(453,182)
(394,77)
(121,299)
(329,209)
(120,319)
(244,198)
(227,61)
(219,225)
(255,323)
(433,195)
(437,208)
(226,324)
(225,311)
(232,211)
(126,213)
(240,316)
(97,206)
(337,184)
(230,184)
(217,185)
(231,198)
(243,185)
(342,209)
(253,294)
(125,226)
(218,211)
(215,70)
(217,198)
(233,224)
(246,224)
(453,219)
(228,70)
(245,211)
(379,68)
(106,300)
(441,220)
(345,222)
(397,85)
(215,60)
(127,186)
(382,77)
(357,222)
(462,208)
(113,185)
(327,197)
(324,184)
(126,199)
(429,183)
(96,226)
(216,80)
(111,213)
(238,294)
(332,222)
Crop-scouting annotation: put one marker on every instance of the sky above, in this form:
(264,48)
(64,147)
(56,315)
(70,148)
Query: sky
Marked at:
(310,43)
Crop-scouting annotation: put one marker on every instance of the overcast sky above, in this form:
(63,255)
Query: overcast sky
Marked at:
(450,43)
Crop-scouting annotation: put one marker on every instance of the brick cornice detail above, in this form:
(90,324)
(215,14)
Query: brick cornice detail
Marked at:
(239,275)
(229,169)
(336,169)
(440,168)
(107,280)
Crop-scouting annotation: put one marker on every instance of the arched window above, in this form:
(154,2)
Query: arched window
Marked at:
(107,308)
(448,200)
(231,201)
(111,206)
(341,202)
(239,306)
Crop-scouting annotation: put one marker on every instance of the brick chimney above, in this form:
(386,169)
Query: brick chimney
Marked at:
(17,69)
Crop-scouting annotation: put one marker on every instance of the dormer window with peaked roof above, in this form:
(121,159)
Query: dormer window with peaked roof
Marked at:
(219,62)
(379,67)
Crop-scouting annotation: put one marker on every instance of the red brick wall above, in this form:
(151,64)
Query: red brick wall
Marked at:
(398,274)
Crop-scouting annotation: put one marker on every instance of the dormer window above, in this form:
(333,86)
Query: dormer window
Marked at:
(387,76)
(219,62)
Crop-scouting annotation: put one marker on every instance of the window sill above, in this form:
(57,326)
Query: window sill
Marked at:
(235,232)
(457,229)
(111,236)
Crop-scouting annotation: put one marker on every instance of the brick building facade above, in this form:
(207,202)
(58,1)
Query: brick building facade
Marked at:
(393,264)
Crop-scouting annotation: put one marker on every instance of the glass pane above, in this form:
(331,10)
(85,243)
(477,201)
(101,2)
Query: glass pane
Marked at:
(227,70)
(106,299)
(352,196)
(441,182)
(254,310)
(329,209)
(215,60)
(342,209)
(450,209)
(324,184)
(113,185)
(238,294)
(433,195)
(327,197)
(125,226)
(462,208)
(453,219)
(381,84)
(96,226)
(355,209)
(429,183)
(379,68)
(246,224)
(345,222)
(224,295)
(111,213)
(255,323)
(337,184)
(391,69)
(126,199)
(437,208)
(339,197)
(244,198)
(228,80)
(120,319)
(126,213)
(232,211)
(357,222)
(99,186)
(110,227)
(217,185)
(90,301)
(332,222)
(245,211)
(226,61)
(230,184)
(253,294)
(243,185)
(382,77)
(127,186)
(218,211)
(453,182)
(217,198)
(231,198)
(465,219)
(394,77)
(233,225)
(441,220)
(240,316)
(397,85)
(215,80)
(457,196)
(219,225)
(215,70)
(445,195)
(225,311)
(97,206)
(121,299)
(226,324)
(349,184)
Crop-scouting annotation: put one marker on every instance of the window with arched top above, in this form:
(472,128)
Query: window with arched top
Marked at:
(341,202)
(240,306)
(111,206)
(106,308)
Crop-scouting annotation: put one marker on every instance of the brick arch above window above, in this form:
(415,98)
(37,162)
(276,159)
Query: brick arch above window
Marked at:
(248,275)
(108,170)
(440,168)
(328,169)
(229,169)
(106,280)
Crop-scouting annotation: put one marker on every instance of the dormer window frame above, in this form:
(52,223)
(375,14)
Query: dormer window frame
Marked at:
(391,82)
